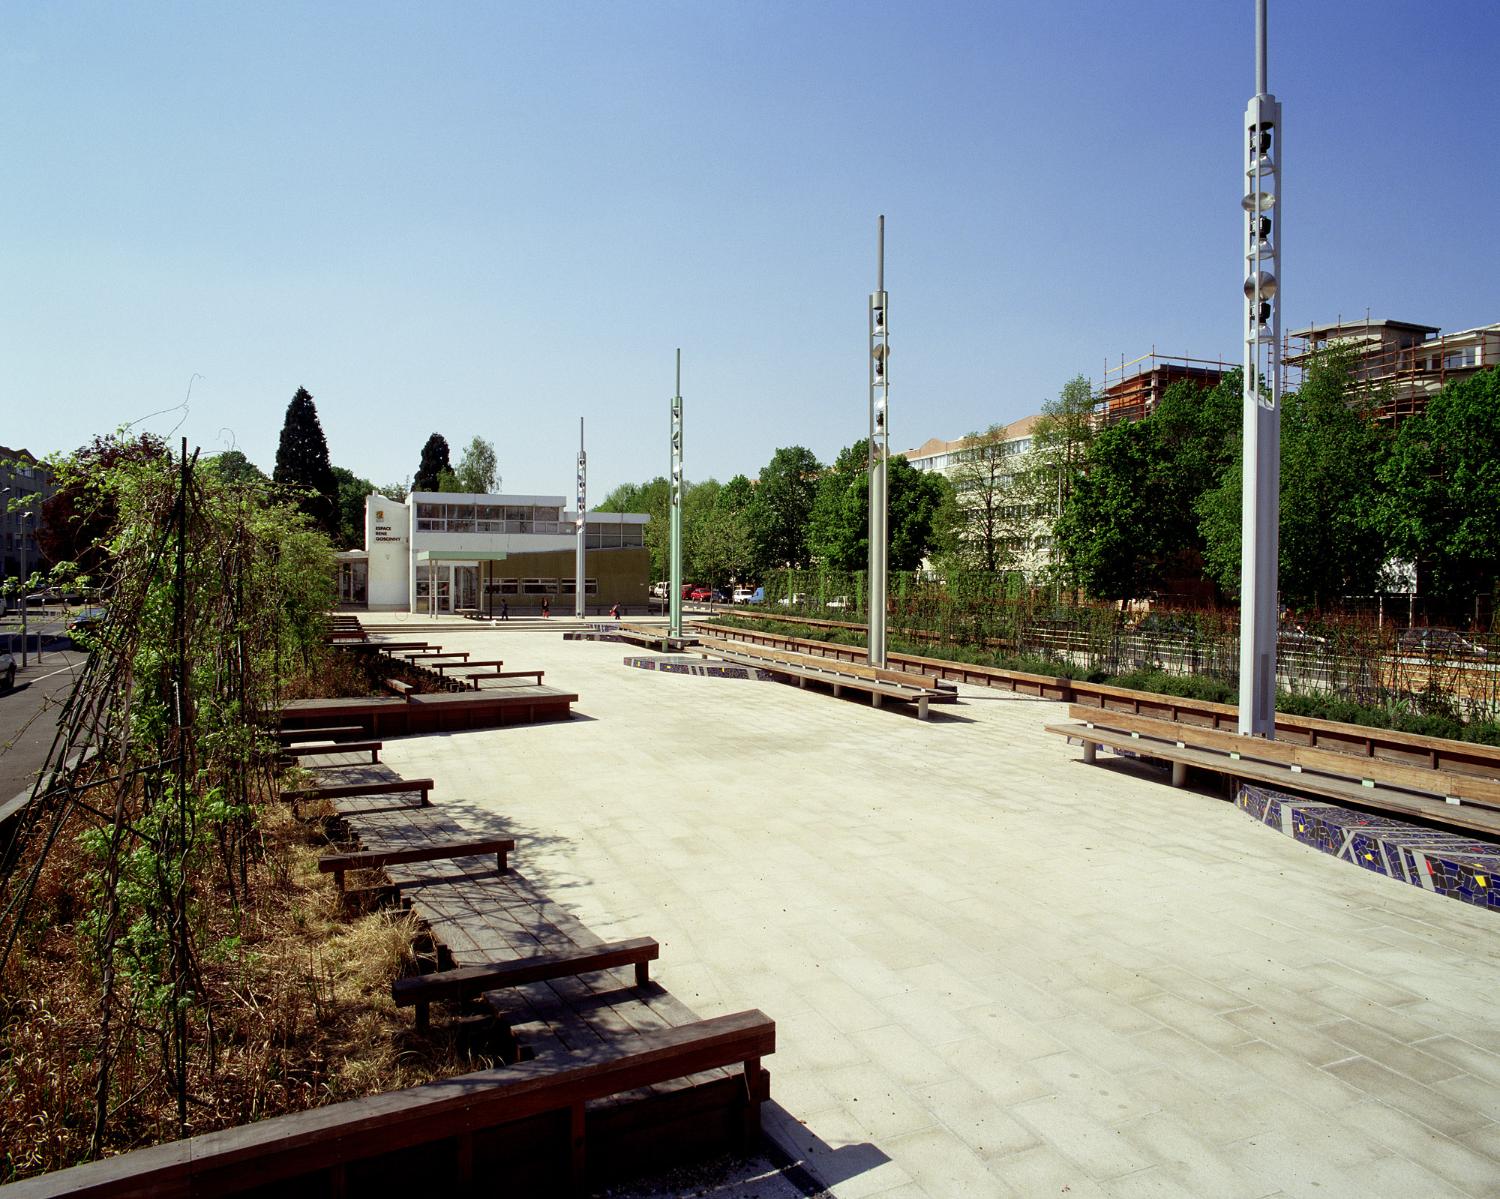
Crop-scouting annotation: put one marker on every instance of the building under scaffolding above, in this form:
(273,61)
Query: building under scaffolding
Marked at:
(1404,365)
(1131,390)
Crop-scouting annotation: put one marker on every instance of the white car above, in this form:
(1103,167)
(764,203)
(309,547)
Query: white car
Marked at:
(840,601)
(743,595)
(792,601)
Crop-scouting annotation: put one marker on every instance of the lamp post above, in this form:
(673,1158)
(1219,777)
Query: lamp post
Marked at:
(674,595)
(1260,506)
(879,452)
(583,473)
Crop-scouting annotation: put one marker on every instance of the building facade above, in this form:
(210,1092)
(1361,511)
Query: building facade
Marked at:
(442,552)
(24,485)
(1405,365)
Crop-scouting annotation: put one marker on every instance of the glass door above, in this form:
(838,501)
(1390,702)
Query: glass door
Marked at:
(466,588)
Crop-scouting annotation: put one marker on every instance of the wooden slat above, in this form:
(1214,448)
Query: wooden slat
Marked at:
(299,1146)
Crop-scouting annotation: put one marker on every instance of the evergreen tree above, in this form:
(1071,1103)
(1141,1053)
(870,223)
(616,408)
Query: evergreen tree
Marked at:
(434,463)
(302,463)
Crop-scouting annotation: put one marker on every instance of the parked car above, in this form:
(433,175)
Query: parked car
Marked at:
(701,594)
(7,670)
(795,600)
(661,590)
(744,595)
(840,601)
(87,620)
(1439,643)
(758,596)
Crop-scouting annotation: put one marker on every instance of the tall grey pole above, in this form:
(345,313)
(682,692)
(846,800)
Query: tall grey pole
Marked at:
(880,446)
(674,600)
(25,586)
(579,598)
(1260,508)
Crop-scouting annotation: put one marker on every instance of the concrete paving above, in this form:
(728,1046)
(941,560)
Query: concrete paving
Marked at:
(995,970)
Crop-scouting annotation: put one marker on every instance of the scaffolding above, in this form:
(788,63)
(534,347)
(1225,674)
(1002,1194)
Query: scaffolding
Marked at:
(1401,364)
(1132,389)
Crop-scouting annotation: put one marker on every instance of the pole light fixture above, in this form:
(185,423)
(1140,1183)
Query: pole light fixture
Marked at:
(879,453)
(674,594)
(579,598)
(1260,507)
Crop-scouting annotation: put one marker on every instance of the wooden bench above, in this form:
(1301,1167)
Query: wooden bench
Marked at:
(373,748)
(399,687)
(446,1127)
(428,656)
(392,647)
(352,790)
(1411,791)
(442,666)
(337,863)
(466,982)
(329,733)
(506,674)
(880,684)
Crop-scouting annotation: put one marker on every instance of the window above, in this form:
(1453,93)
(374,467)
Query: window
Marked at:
(1458,359)
(430,516)
(590,587)
(538,586)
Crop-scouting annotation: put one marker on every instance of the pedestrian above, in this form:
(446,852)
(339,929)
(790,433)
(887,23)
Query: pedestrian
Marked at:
(504,609)
(614,612)
(546,607)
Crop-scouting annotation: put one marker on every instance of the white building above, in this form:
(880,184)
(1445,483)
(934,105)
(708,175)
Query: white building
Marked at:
(445,552)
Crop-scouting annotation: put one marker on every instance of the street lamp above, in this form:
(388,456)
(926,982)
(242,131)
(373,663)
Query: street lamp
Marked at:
(1260,503)
(674,559)
(879,453)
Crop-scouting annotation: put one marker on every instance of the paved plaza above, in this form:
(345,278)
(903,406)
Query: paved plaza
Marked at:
(994,970)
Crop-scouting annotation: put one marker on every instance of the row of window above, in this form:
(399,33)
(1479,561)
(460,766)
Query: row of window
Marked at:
(540,587)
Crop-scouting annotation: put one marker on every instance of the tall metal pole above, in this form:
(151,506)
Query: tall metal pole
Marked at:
(25,586)
(579,598)
(674,622)
(1260,509)
(880,445)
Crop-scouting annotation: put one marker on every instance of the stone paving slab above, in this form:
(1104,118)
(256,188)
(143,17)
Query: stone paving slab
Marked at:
(996,970)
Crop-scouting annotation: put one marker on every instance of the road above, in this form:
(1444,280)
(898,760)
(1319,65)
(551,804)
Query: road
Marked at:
(28,714)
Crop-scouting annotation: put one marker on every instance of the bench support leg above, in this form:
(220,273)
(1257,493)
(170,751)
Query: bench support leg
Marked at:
(1090,752)
(750,1130)
(642,973)
(424,1015)
(922,708)
(578,1165)
(338,880)
(875,698)
(1179,774)
(501,863)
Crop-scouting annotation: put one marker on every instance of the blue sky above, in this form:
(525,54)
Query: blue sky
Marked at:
(497,218)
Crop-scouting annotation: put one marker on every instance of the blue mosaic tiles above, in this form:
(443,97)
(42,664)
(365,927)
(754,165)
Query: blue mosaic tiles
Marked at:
(1450,864)
(711,670)
(597,635)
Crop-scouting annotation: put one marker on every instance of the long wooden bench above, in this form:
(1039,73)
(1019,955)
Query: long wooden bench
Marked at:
(351,790)
(373,748)
(338,863)
(442,666)
(1422,793)
(466,982)
(453,1128)
(429,656)
(338,732)
(880,684)
(506,674)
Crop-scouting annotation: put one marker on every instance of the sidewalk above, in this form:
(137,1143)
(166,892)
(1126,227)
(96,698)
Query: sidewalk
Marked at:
(996,971)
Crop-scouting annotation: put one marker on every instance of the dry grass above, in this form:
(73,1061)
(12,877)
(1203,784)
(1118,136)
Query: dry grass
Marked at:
(298,996)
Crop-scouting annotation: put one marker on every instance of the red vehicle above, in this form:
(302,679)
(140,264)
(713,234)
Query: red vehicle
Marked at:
(701,595)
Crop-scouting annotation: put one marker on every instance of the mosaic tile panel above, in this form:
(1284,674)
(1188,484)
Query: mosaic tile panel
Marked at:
(597,635)
(710,670)
(1451,864)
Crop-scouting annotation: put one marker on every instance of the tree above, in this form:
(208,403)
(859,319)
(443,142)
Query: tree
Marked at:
(434,462)
(1331,544)
(77,519)
(1043,482)
(1130,524)
(779,512)
(352,493)
(233,467)
(477,469)
(448,482)
(838,529)
(983,483)
(1441,507)
(302,463)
